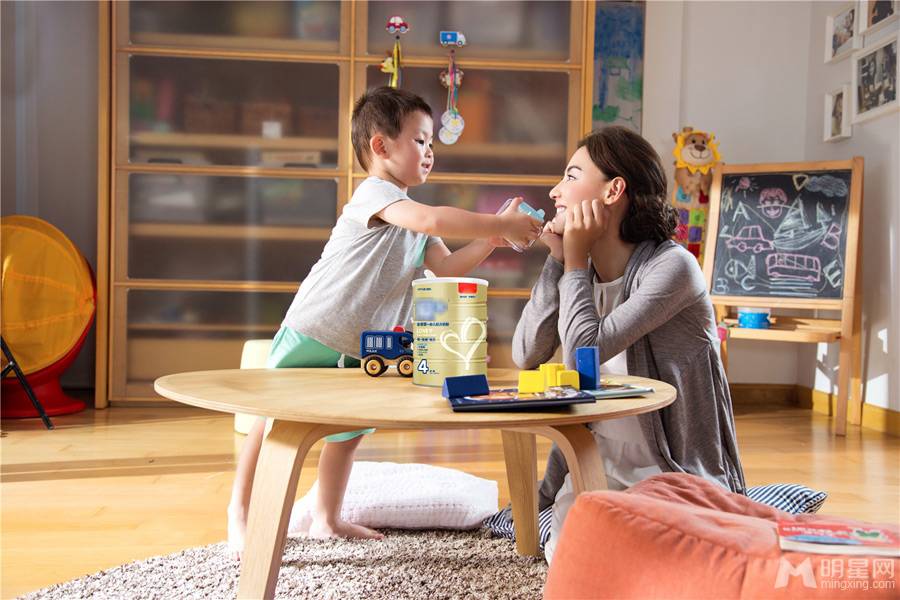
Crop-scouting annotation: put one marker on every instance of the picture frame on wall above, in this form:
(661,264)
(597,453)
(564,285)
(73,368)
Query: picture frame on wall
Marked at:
(875,14)
(874,79)
(841,37)
(837,114)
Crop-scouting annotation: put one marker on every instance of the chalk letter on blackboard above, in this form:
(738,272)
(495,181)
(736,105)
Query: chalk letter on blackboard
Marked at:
(833,273)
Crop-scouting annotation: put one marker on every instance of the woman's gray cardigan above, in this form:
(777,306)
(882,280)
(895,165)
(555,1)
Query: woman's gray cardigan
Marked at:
(667,326)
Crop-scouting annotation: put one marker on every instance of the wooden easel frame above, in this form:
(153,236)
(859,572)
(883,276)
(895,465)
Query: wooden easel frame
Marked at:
(847,330)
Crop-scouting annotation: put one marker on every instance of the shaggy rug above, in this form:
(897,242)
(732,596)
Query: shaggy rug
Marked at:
(405,564)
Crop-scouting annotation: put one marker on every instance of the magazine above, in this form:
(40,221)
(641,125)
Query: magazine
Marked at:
(838,538)
(612,389)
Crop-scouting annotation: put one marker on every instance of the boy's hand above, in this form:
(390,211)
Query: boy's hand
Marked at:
(585,222)
(552,240)
(519,228)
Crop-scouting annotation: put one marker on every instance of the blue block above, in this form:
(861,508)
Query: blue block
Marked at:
(465,385)
(587,363)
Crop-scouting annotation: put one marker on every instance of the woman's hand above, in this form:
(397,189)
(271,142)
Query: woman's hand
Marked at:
(552,240)
(585,222)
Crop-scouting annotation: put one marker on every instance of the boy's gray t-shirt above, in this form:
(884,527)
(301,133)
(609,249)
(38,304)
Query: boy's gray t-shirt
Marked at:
(363,280)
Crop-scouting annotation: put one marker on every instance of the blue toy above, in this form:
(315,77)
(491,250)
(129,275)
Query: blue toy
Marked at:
(452,38)
(465,385)
(537,215)
(587,363)
(377,347)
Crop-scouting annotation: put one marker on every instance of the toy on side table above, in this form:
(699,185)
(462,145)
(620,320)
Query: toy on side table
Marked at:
(376,348)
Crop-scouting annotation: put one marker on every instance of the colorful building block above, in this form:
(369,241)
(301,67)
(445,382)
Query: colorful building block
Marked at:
(568,378)
(465,385)
(531,382)
(587,361)
(550,370)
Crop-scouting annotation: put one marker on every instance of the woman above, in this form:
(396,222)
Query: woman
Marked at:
(615,280)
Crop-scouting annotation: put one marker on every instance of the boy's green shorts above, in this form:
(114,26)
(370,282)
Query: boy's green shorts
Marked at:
(293,350)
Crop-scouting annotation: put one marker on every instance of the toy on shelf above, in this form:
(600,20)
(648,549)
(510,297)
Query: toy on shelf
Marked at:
(696,154)
(452,123)
(396,26)
(377,348)
(587,362)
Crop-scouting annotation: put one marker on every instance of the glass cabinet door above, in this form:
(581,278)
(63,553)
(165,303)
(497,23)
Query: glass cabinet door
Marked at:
(173,331)
(520,29)
(516,122)
(203,111)
(310,26)
(192,227)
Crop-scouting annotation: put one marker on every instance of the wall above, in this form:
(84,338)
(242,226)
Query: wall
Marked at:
(740,72)
(49,120)
(876,140)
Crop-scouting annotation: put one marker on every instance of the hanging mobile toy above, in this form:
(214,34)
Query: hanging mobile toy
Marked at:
(451,121)
(391,65)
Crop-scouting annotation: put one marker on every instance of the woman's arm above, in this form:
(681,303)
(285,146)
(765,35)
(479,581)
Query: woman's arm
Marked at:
(671,283)
(535,339)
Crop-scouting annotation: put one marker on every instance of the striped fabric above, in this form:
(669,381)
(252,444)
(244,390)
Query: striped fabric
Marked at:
(501,524)
(789,497)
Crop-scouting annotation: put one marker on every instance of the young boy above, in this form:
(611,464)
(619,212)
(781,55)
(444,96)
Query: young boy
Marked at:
(378,246)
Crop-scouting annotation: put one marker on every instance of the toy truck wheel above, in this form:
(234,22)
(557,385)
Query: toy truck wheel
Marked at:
(405,366)
(374,366)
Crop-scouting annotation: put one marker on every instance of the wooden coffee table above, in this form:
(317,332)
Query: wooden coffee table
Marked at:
(309,404)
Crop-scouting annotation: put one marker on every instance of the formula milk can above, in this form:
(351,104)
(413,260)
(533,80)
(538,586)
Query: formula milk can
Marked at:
(449,328)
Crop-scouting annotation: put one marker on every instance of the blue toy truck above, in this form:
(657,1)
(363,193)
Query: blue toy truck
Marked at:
(452,38)
(377,348)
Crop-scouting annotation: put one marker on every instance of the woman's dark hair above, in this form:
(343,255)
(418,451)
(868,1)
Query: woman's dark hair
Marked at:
(619,152)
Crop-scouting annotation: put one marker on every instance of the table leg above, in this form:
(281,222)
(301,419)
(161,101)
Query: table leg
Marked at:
(520,452)
(582,456)
(274,490)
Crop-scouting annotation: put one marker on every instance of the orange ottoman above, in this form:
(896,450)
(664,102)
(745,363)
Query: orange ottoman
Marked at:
(679,536)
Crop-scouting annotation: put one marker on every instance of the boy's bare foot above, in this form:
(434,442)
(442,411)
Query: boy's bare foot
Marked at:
(237,529)
(322,529)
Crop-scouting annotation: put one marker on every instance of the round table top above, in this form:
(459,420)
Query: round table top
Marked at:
(352,398)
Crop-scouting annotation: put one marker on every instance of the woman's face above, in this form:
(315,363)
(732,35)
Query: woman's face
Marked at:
(582,181)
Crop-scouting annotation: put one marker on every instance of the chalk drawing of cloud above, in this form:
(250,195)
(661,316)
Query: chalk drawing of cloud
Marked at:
(828,185)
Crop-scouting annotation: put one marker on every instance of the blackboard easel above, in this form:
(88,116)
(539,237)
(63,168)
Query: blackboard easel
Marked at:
(757,260)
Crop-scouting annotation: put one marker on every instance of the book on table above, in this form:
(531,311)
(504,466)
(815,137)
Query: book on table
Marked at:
(610,389)
(511,399)
(837,538)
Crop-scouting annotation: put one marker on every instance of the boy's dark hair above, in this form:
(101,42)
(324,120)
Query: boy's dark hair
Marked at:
(381,110)
(619,152)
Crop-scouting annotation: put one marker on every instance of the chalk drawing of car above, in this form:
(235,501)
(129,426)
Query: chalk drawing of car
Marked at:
(750,238)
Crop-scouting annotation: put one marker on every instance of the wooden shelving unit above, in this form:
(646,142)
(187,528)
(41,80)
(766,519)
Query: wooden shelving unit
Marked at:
(152,326)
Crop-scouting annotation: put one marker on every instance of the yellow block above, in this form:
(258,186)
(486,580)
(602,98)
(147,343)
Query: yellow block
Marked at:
(568,378)
(549,370)
(531,382)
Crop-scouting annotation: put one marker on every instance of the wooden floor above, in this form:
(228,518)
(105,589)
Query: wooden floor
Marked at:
(108,487)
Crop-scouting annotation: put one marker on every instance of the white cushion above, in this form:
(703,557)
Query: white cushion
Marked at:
(407,496)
